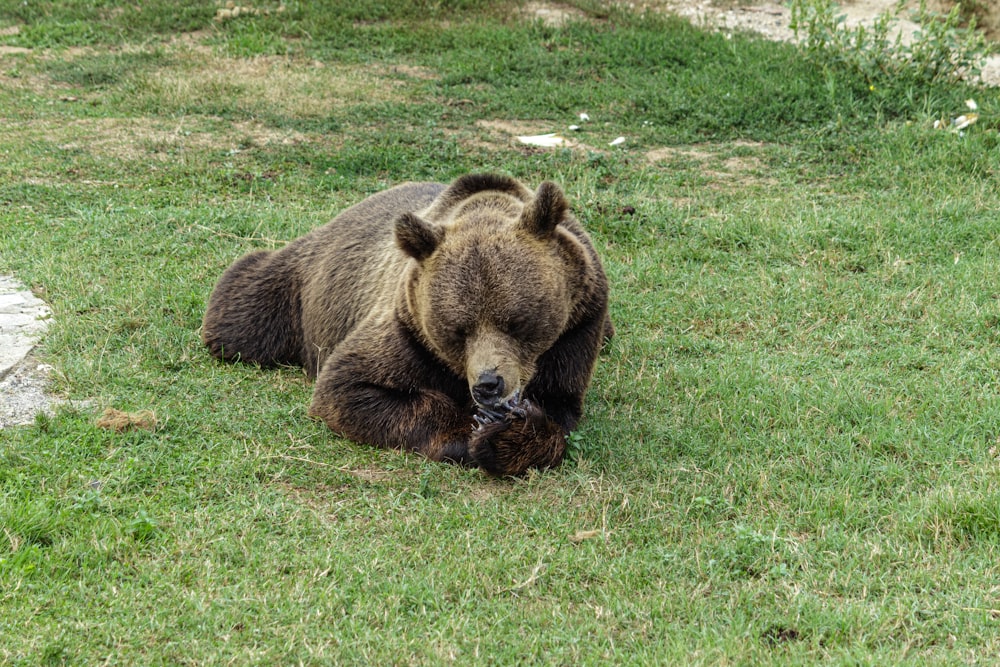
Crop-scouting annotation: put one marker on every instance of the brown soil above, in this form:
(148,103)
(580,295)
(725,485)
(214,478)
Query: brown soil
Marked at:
(770,18)
(987,13)
(864,12)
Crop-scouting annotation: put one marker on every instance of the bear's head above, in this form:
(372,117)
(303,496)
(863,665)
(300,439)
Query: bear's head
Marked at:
(494,282)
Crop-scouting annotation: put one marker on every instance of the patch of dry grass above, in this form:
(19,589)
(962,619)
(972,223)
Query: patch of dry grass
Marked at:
(144,138)
(277,85)
(195,77)
(717,162)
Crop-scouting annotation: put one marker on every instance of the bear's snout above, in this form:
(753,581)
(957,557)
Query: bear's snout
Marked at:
(488,389)
(492,368)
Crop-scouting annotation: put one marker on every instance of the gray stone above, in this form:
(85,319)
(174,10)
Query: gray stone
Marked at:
(23,319)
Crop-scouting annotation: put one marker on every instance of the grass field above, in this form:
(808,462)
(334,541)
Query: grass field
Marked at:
(790,452)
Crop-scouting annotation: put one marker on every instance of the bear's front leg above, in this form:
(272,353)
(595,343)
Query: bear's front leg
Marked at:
(425,421)
(520,437)
(381,388)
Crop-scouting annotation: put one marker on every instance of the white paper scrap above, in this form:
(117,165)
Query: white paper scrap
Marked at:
(544,140)
(965,121)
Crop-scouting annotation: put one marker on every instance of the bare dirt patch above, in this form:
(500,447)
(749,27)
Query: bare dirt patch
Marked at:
(551,13)
(23,393)
(772,19)
(987,13)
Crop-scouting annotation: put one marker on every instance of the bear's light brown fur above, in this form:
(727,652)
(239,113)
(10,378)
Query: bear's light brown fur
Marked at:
(461,322)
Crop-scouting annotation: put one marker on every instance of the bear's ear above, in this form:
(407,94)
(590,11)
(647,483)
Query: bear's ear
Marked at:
(545,211)
(417,237)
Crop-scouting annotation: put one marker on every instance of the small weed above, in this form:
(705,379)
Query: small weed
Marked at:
(575,446)
(90,501)
(752,554)
(142,527)
(55,654)
(425,488)
(942,52)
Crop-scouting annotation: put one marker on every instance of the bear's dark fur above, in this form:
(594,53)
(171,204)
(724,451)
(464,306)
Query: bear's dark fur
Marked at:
(461,322)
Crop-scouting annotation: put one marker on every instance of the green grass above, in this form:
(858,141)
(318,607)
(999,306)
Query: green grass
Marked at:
(790,453)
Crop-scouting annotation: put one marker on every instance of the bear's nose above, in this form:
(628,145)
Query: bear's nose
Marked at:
(488,388)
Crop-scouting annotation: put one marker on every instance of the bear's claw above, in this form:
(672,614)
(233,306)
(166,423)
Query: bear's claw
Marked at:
(512,408)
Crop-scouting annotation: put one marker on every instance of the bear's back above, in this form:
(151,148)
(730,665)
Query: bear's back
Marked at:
(350,266)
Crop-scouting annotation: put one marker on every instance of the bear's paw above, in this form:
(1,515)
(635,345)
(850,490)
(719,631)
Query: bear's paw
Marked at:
(514,437)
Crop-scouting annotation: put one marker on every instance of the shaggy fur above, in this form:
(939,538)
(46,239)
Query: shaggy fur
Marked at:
(461,322)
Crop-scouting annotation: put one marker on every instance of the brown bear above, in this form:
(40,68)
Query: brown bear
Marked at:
(462,322)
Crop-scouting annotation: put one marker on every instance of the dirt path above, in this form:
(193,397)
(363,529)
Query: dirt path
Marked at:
(771,20)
